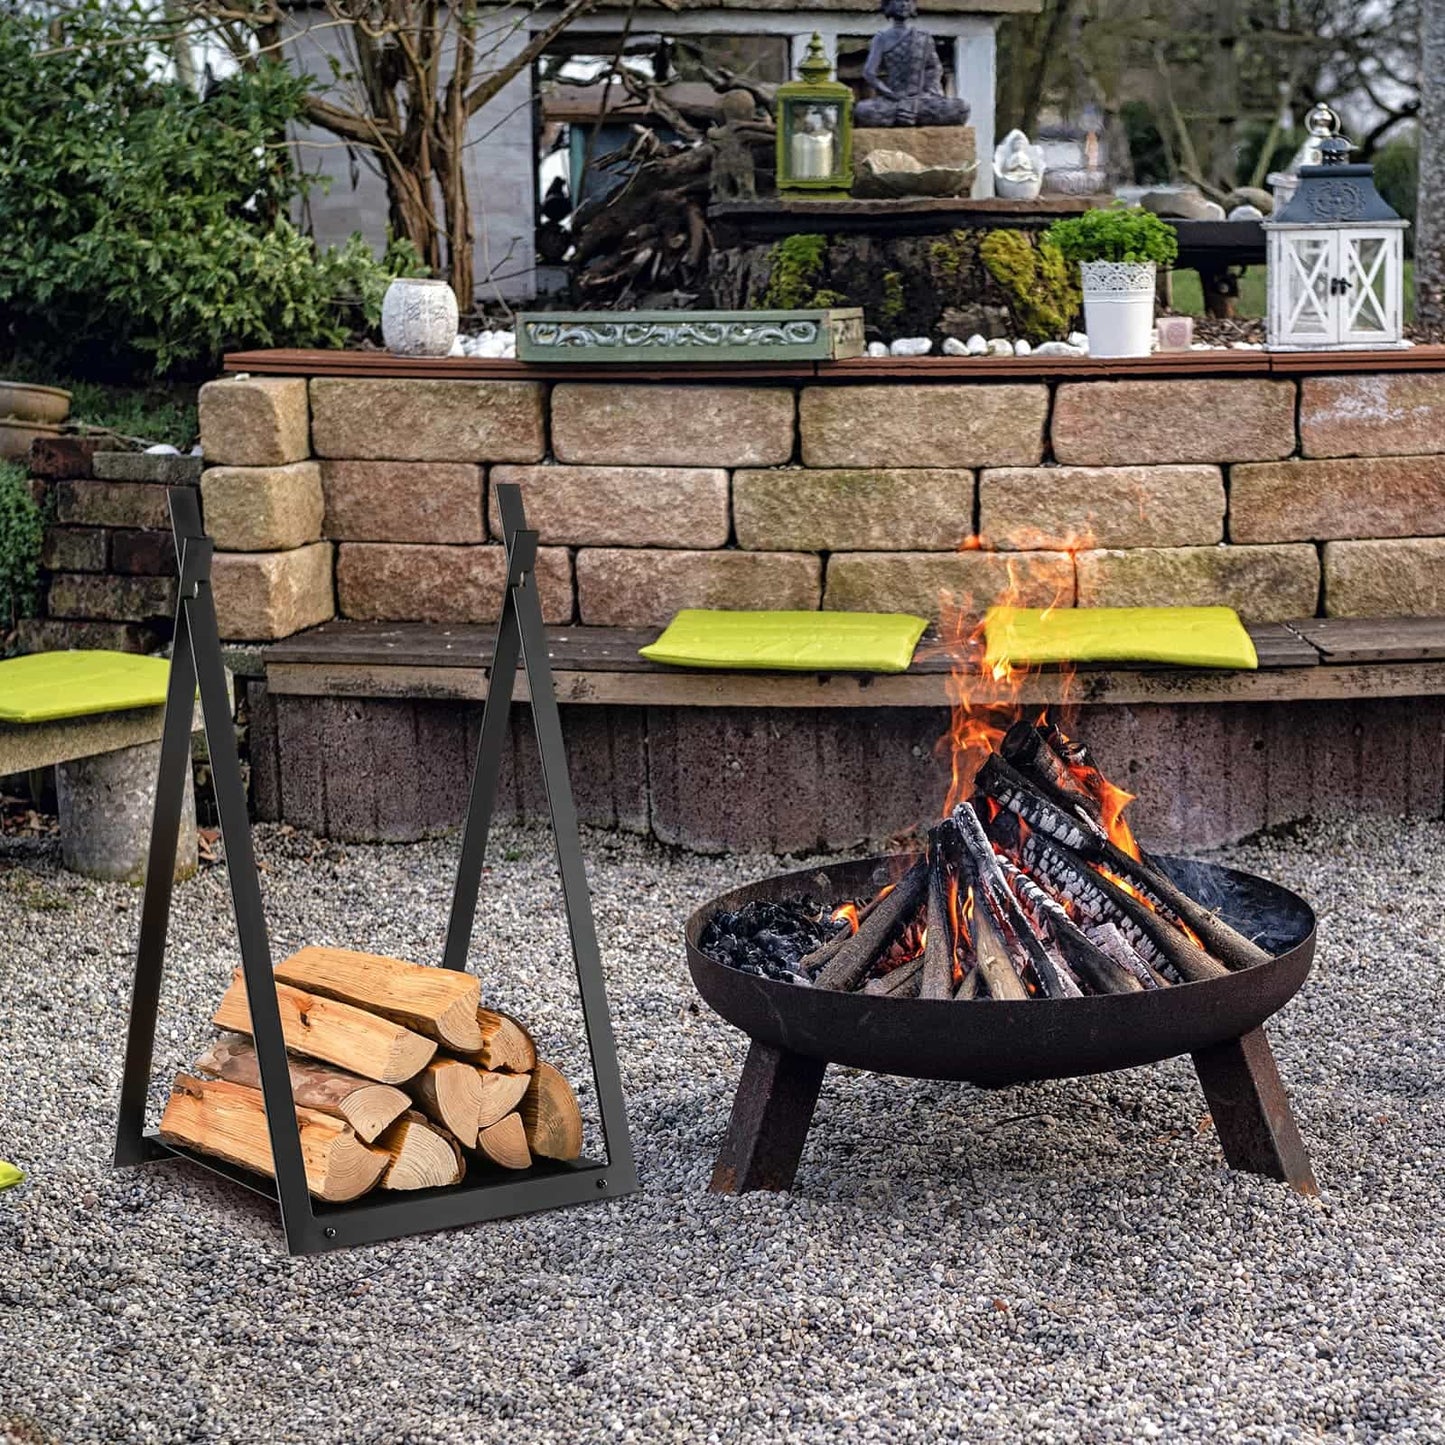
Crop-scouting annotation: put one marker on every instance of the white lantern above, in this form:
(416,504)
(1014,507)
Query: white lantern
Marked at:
(1336,260)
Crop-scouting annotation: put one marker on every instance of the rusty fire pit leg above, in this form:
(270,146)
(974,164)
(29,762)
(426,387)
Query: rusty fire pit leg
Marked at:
(1251,1111)
(772,1110)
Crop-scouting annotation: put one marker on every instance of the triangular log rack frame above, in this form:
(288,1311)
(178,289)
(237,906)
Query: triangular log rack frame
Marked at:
(312,1226)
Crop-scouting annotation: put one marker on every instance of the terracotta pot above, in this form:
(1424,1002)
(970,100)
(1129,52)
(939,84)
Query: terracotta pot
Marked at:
(16,436)
(419,317)
(21,401)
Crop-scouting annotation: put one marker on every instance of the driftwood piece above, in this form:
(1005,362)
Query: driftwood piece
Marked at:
(550,1115)
(335,1032)
(505,1143)
(229,1120)
(877,931)
(420,1156)
(367,1106)
(506,1046)
(438,1002)
(937,979)
(450,1091)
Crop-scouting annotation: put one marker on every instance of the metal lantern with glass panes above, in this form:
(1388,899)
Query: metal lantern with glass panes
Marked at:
(815,130)
(1336,260)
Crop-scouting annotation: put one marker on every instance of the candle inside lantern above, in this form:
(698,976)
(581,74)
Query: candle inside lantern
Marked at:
(812,148)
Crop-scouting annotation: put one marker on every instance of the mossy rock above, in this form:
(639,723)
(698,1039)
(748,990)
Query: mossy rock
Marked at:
(1042,289)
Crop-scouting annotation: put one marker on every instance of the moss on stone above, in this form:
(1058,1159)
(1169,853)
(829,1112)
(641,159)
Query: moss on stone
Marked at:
(952,259)
(891,307)
(1041,287)
(796,268)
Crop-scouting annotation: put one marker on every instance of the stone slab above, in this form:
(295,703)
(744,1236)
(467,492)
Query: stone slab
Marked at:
(932,584)
(620,506)
(255,421)
(923,426)
(111,504)
(929,145)
(142,553)
(162,469)
(1380,414)
(263,596)
(1397,577)
(403,501)
(627,424)
(101,598)
(75,549)
(1079,507)
(56,634)
(405,420)
(857,509)
(65,458)
(263,509)
(1328,500)
(1149,423)
(1262,584)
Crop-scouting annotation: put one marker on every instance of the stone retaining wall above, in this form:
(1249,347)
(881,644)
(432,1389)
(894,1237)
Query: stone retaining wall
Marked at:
(369,497)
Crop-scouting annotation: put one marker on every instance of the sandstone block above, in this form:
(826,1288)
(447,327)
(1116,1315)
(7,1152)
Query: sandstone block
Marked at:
(1400,577)
(1387,414)
(263,509)
(630,587)
(111,599)
(1070,507)
(398,419)
(630,424)
(401,582)
(163,469)
(930,584)
(262,421)
(74,549)
(929,145)
(403,501)
(1262,584)
(1147,423)
(924,509)
(142,554)
(262,596)
(111,504)
(923,426)
(621,506)
(1324,500)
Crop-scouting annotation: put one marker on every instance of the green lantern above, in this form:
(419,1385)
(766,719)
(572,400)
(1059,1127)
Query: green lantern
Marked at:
(815,130)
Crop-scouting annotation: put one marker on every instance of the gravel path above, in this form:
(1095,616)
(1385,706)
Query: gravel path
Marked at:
(1067,1262)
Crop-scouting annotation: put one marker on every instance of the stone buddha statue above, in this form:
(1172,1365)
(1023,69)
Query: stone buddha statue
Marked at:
(907,80)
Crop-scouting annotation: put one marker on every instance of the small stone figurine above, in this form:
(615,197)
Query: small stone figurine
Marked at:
(733,177)
(907,79)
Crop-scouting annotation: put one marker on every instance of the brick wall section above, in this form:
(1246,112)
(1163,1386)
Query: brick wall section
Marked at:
(1278,497)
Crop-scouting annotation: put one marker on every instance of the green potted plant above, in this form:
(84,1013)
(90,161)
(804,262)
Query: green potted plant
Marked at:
(1119,251)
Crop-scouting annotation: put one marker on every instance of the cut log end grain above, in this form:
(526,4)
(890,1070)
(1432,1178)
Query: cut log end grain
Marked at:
(368,1107)
(505,1047)
(438,1002)
(228,1120)
(501,1093)
(335,1032)
(550,1113)
(420,1156)
(505,1143)
(451,1092)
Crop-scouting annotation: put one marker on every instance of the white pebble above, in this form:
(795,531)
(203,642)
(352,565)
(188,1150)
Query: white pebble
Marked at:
(952,346)
(877,348)
(999,346)
(1022,347)
(976,345)
(1079,340)
(911,346)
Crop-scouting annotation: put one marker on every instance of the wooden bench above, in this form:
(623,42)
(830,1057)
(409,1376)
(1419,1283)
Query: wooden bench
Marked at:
(362,731)
(96,718)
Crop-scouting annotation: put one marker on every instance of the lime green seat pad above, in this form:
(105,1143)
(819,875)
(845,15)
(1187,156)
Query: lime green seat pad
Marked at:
(1184,636)
(789,641)
(47,686)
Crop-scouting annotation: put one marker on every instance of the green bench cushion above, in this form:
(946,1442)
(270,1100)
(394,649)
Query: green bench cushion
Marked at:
(789,641)
(1181,636)
(50,686)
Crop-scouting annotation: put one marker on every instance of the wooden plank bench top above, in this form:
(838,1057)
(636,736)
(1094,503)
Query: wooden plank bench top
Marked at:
(1309,660)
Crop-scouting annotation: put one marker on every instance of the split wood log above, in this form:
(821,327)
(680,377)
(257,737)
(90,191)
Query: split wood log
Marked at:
(1001,782)
(551,1117)
(501,1093)
(505,1143)
(334,1032)
(505,1046)
(1095,966)
(450,1092)
(229,1121)
(1028,750)
(825,953)
(441,1003)
(1112,942)
(992,893)
(368,1107)
(877,932)
(992,962)
(901,982)
(937,980)
(420,1156)
(970,986)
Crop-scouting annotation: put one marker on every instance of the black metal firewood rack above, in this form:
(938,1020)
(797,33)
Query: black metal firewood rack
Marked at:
(310,1225)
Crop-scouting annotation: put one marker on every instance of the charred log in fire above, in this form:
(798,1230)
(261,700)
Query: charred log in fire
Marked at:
(1033,888)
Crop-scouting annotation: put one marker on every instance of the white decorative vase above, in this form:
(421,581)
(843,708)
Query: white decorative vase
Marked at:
(419,317)
(1119,307)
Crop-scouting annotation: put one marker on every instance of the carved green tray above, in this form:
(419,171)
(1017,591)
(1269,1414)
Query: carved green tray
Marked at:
(648,337)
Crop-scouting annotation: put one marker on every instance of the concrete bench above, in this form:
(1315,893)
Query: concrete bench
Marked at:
(96,718)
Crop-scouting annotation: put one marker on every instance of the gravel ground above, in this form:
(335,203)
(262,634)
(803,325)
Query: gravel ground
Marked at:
(1066,1262)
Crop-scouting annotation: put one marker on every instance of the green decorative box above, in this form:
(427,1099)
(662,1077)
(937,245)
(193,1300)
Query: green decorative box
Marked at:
(691,337)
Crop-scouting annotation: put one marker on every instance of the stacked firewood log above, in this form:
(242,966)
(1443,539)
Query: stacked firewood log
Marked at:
(401,1079)
(1031,889)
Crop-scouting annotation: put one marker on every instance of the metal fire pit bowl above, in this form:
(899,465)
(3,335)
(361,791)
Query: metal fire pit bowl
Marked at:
(797,1031)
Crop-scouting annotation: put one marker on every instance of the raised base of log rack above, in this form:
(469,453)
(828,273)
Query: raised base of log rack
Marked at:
(778,1093)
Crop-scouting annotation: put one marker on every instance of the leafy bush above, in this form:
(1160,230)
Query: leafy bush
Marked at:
(1118,233)
(22,530)
(144,219)
(1397,176)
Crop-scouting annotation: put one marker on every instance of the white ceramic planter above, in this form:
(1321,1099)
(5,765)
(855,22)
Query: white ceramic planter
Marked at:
(419,317)
(1119,307)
